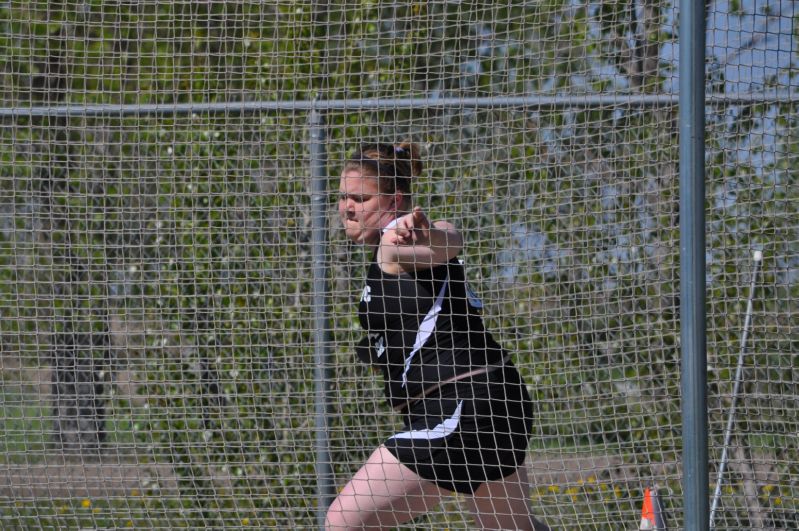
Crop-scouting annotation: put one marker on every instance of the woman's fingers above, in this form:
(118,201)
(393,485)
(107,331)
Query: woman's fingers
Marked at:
(404,227)
(413,228)
(393,236)
(421,224)
(419,218)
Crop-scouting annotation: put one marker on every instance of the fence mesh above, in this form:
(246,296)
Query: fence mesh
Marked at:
(159,313)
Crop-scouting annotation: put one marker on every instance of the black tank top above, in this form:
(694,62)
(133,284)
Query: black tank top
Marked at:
(422,328)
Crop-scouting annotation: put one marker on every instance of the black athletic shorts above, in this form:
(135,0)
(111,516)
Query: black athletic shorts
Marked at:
(468,432)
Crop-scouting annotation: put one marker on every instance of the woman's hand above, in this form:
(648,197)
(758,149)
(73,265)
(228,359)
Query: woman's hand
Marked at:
(411,229)
(413,242)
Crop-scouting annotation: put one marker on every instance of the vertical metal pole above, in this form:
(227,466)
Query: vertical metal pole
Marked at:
(692,265)
(739,371)
(320,256)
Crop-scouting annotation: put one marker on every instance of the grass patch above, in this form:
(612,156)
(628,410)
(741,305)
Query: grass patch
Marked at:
(24,426)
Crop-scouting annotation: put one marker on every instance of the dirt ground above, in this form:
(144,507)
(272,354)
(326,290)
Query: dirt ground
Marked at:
(62,478)
(65,478)
(56,476)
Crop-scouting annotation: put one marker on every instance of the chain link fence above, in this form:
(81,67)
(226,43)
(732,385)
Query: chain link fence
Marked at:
(168,283)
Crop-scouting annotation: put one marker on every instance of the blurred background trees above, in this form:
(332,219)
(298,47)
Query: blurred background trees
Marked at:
(177,247)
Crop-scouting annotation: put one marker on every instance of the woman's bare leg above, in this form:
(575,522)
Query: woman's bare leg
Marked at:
(383,493)
(505,504)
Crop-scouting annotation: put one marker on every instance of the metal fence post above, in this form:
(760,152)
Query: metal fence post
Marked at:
(692,265)
(322,336)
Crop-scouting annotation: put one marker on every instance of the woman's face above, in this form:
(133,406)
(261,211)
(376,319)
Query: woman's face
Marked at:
(363,209)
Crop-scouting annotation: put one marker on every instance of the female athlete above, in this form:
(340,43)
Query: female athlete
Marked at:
(467,414)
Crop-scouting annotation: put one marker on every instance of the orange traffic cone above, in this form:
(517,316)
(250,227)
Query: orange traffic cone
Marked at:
(652,513)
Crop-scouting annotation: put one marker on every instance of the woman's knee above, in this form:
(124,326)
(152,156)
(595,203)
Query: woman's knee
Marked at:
(333,518)
(352,512)
(340,517)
